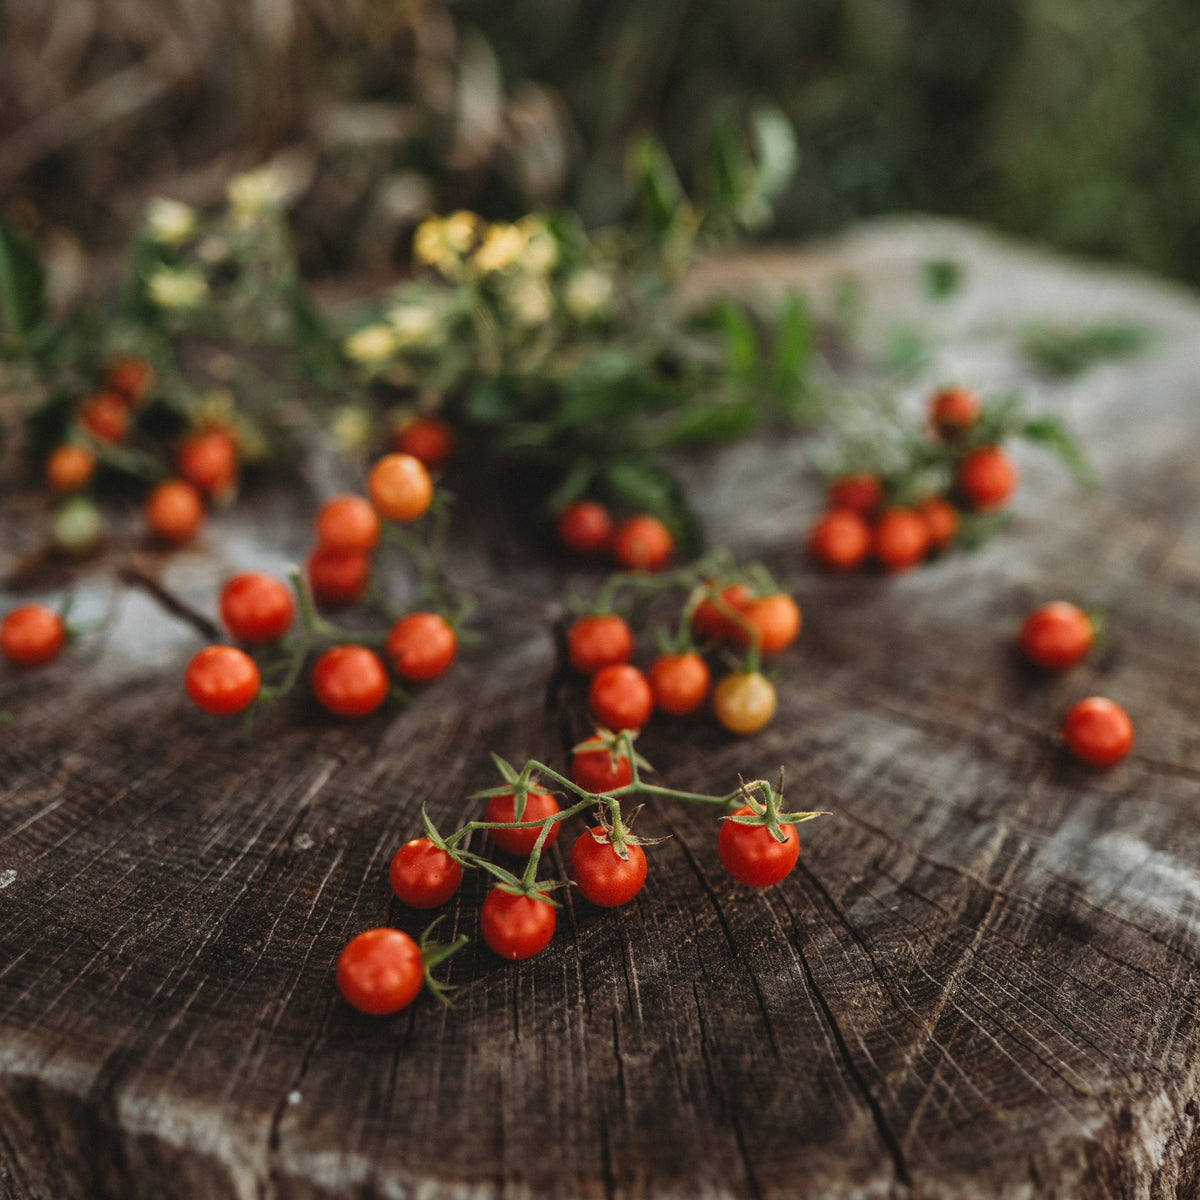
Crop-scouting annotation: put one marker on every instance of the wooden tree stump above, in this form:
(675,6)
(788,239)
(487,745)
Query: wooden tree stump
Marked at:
(982,980)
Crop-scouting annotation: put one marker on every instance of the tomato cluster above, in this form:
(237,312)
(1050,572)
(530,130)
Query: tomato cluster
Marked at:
(641,543)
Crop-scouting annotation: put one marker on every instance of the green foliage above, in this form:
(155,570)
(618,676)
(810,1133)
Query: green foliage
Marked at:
(22,289)
(1067,352)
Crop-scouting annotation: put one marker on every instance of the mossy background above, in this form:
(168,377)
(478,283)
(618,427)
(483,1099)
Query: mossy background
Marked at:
(1073,121)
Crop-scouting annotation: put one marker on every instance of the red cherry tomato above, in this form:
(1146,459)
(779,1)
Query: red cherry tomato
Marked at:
(744,702)
(209,460)
(680,682)
(69,468)
(600,770)
(601,874)
(585,528)
(861,493)
(429,439)
(595,642)
(129,377)
(400,488)
(941,520)
(174,512)
(1056,635)
(221,680)
(516,927)
(421,646)
(423,875)
(901,539)
(520,842)
(380,971)
(337,579)
(953,411)
(986,478)
(1098,731)
(752,855)
(31,635)
(621,697)
(105,417)
(256,607)
(347,525)
(642,543)
(350,681)
(708,619)
(840,540)
(776,619)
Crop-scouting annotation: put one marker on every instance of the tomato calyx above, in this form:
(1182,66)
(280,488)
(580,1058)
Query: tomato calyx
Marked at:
(433,954)
(618,745)
(767,811)
(617,831)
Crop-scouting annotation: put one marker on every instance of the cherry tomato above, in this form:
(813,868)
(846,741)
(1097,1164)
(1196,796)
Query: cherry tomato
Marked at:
(105,417)
(521,841)
(901,539)
(621,697)
(69,468)
(777,621)
(221,680)
(516,927)
(129,377)
(256,607)
(585,528)
(601,874)
(986,477)
(347,525)
(423,875)
(744,702)
(428,438)
(595,642)
(861,493)
(941,520)
(337,579)
(1098,731)
(840,540)
(31,634)
(350,681)
(174,512)
(380,971)
(680,682)
(1056,635)
(421,646)
(208,459)
(600,770)
(400,488)
(953,411)
(709,621)
(642,543)
(752,856)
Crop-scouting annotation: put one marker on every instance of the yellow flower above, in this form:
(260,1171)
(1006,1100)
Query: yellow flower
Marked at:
(502,248)
(373,344)
(541,246)
(253,194)
(460,230)
(182,287)
(530,300)
(588,293)
(441,243)
(350,427)
(412,323)
(170,222)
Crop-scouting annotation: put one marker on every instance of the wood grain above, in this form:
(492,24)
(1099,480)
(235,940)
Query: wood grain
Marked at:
(982,981)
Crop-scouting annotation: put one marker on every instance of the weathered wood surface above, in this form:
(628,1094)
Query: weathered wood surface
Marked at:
(981,982)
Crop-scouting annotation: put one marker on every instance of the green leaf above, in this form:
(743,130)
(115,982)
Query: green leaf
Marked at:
(793,356)
(741,342)
(490,401)
(1069,352)
(656,184)
(22,285)
(1052,434)
(942,277)
(713,423)
(778,153)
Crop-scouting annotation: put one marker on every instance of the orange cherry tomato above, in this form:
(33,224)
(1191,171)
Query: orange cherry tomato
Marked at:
(1056,635)
(400,488)
(69,468)
(347,525)
(680,683)
(840,540)
(642,543)
(174,512)
(901,539)
(987,477)
(31,634)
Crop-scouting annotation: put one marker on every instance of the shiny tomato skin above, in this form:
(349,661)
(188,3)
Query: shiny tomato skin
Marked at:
(380,971)
(601,874)
(585,528)
(840,540)
(516,927)
(347,525)
(208,460)
(1056,635)
(901,539)
(643,543)
(596,641)
(256,607)
(861,493)
(520,842)
(349,681)
(621,697)
(752,856)
(744,702)
(680,682)
(222,680)
(337,579)
(941,520)
(986,478)
(718,619)
(776,620)
(1098,731)
(600,771)
(31,634)
(423,875)
(69,468)
(400,488)
(421,646)
(174,512)
(953,411)
(429,439)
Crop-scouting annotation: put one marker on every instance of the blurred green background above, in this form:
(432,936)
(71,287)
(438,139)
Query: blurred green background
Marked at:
(1073,121)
